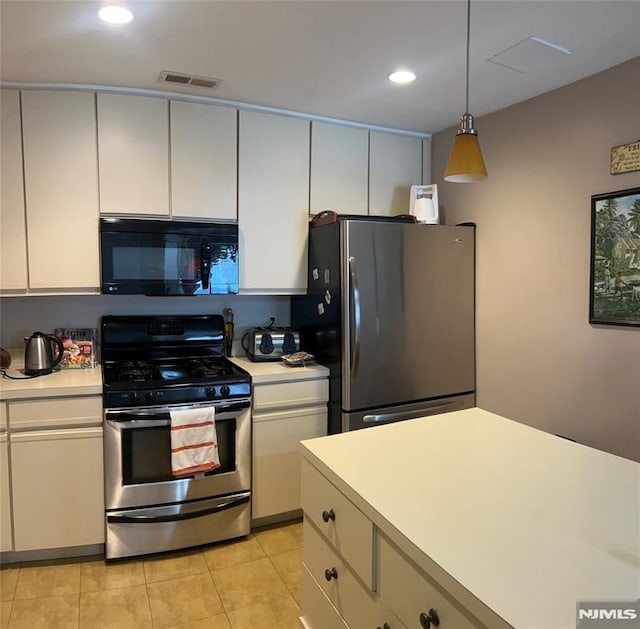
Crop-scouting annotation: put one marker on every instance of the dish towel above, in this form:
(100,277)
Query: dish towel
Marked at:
(194,447)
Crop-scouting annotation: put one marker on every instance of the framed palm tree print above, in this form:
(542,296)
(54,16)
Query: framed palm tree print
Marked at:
(615,258)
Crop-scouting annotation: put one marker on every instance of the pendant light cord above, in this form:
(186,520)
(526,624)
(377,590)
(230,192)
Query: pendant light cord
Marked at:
(468,39)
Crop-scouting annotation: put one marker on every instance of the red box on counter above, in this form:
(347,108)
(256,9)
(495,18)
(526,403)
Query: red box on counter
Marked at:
(79,347)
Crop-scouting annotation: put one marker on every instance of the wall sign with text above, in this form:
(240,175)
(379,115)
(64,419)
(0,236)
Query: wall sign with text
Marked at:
(625,158)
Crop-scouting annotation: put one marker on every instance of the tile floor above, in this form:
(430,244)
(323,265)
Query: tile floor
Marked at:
(252,582)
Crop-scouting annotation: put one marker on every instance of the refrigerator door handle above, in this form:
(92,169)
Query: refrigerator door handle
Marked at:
(383,418)
(355,291)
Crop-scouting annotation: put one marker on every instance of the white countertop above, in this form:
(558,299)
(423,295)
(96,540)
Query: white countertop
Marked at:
(271,372)
(529,523)
(58,383)
(89,381)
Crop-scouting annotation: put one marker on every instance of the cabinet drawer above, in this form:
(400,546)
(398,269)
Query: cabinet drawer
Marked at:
(347,529)
(290,394)
(3,415)
(409,592)
(318,612)
(58,412)
(360,608)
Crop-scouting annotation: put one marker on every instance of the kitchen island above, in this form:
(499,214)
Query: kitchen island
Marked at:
(480,519)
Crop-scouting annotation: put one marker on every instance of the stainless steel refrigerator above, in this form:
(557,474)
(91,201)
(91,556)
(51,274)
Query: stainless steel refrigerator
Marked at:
(390,310)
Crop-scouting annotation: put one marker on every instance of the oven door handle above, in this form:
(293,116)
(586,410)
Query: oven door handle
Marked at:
(223,411)
(157,515)
(139,423)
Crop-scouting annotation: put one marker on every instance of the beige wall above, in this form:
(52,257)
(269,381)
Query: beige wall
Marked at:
(539,361)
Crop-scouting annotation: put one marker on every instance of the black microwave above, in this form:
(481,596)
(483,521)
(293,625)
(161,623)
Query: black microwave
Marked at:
(162,257)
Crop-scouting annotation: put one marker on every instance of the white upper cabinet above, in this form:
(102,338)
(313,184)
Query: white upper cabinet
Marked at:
(61,189)
(13,235)
(426,161)
(395,165)
(339,168)
(273,203)
(133,153)
(204,161)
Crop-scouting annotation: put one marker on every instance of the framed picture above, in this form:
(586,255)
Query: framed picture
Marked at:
(615,258)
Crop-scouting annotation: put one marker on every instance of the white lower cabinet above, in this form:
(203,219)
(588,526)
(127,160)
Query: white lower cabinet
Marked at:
(319,613)
(6,540)
(58,498)
(283,415)
(355,577)
(57,475)
(358,605)
(413,594)
(342,524)
(276,463)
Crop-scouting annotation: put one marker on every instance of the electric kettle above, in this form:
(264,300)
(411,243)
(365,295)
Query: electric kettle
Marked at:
(38,354)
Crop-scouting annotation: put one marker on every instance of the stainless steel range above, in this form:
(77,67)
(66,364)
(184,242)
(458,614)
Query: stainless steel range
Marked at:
(151,367)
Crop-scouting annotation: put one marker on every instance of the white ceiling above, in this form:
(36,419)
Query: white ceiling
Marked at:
(326,58)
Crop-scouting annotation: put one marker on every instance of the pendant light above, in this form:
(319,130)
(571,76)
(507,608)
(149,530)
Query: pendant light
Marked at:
(465,161)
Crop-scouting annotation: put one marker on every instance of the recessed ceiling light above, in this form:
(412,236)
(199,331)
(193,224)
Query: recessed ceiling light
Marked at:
(115,14)
(402,76)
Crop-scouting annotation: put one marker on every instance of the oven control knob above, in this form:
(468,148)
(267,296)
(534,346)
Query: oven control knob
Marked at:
(225,390)
(210,391)
(133,398)
(150,396)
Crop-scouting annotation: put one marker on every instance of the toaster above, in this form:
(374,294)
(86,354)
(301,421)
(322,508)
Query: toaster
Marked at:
(265,344)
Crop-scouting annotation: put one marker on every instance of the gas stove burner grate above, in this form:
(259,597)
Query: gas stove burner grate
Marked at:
(208,368)
(135,371)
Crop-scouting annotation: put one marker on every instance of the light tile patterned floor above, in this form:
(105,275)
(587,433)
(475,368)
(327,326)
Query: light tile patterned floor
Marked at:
(243,584)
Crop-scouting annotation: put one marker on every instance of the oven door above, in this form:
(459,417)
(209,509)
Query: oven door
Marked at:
(138,457)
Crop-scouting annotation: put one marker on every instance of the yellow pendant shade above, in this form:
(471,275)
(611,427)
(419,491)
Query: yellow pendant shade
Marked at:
(466,164)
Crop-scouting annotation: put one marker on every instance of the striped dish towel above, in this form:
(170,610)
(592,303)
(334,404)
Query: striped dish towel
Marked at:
(194,447)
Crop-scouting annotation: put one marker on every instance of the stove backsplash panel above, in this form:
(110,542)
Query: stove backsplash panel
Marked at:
(20,316)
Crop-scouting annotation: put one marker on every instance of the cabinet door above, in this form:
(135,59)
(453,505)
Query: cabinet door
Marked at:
(204,164)
(58,496)
(339,168)
(426,161)
(13,235)
(395,165)
(276,458)
(133,143)
(273,203)
(6,542)
(61,189)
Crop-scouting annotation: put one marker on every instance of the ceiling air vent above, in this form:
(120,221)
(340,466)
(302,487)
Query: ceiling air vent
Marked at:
(189,79)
